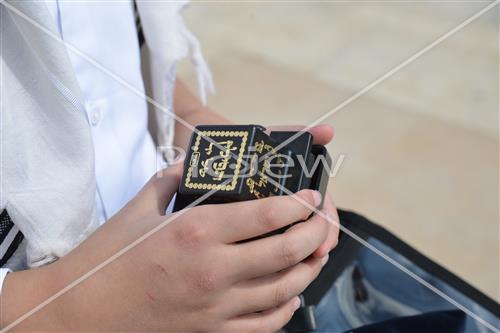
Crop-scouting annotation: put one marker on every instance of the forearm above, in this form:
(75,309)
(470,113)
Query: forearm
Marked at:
(82,306)
(188,108)
(24,290)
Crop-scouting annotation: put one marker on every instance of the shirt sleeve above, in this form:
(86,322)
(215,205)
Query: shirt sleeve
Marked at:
(169,40)
(3,274)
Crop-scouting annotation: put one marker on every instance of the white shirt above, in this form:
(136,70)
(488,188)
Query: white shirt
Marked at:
(125,155)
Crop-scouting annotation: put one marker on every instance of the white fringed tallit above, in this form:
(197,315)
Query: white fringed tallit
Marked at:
(48,177)
(169,40)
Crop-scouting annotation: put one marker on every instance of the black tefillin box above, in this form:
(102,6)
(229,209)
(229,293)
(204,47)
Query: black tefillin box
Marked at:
(245,162)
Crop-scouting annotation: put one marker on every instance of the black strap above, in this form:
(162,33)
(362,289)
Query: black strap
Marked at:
(345,253)
(365,229)
(303,320)
(341,257)
(140,34)
(7,227)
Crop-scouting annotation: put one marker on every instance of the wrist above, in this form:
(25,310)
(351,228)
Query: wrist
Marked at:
(25,290)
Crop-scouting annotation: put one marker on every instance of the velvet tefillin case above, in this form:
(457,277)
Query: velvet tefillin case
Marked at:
(244,162)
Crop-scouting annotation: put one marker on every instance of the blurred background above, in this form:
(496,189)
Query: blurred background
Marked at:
(422,148)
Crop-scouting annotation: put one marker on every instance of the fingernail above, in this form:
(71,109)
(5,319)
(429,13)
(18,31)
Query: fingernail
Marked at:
(324,260)
(317,198)
(296,303)
(179,160)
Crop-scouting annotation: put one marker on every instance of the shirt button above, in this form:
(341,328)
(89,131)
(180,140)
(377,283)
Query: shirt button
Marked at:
(95,117)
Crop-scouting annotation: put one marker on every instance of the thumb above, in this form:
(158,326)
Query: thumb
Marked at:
(322,134)
(158,191)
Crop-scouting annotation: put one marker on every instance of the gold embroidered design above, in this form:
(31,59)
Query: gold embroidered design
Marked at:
(221,163)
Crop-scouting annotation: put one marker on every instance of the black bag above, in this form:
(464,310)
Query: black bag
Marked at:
(433,317)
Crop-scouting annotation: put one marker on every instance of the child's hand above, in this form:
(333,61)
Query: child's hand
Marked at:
(193,274)
(322,134)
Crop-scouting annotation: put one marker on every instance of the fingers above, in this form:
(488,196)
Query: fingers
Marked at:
(267,321)
(158,191)
(322,134)
(332,218)
(275,253)
(272,290)
(245,220)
